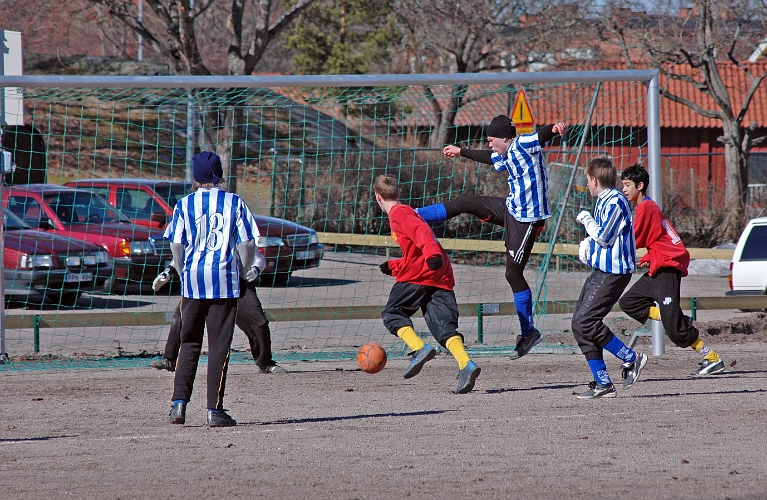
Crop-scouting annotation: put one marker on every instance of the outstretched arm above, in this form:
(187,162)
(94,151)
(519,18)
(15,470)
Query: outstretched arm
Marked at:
(479,155)
(548,132)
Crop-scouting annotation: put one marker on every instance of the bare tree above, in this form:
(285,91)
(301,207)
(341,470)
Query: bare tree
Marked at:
(455,36)
(693,45)
(177,31)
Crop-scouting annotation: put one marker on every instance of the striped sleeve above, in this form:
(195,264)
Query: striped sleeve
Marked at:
(613,249)
(246,224)
(612,226)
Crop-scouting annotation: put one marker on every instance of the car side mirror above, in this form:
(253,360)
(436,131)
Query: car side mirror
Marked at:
(46,224)
(159,217)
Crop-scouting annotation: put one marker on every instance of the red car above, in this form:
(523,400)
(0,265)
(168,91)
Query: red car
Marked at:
(286,246)
(38,265)
(137,254)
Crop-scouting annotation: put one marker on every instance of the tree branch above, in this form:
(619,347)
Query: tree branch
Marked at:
(709,113)
(755,82)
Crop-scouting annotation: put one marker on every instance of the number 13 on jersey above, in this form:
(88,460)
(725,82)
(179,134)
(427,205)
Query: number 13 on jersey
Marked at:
(210,235)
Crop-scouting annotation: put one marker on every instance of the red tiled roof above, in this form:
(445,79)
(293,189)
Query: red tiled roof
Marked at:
(619,103)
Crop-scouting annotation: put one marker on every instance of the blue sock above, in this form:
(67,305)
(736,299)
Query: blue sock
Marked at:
(620,350)
(523,301)
(599,370)
(177,401)
(432,213)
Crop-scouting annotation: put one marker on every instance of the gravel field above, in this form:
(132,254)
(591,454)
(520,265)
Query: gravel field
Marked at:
(327,430)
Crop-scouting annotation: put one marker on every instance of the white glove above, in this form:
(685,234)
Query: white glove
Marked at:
(162,279)
(584,216)
(584,251)
(252,274)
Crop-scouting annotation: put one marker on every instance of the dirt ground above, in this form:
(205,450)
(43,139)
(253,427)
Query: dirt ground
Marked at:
(751,327)
(327,430)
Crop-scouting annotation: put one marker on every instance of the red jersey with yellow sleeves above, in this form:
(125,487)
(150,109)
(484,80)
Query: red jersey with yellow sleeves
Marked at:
(418,243)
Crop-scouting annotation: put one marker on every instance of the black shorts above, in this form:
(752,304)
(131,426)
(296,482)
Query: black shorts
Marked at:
(518,236)
(438,306)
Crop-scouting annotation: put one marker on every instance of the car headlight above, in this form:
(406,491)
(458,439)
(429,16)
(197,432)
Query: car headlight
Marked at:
(269,241)
(314,240)
(142,247)
(89,260)
(32,261)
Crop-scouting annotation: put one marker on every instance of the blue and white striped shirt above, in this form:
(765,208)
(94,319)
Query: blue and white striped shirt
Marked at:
(210,223)
(527,201)
(613,249)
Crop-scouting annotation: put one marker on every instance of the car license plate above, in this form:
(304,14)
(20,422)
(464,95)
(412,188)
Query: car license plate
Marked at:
(77,278)
(305,255)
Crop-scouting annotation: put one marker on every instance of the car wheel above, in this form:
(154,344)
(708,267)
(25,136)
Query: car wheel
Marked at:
(66,299)
(275,279)
(115,286)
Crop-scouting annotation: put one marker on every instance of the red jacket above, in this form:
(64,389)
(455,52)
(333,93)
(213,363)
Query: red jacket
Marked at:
(654,232)
(418,243)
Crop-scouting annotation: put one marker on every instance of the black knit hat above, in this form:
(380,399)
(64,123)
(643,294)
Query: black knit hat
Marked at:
(501,127)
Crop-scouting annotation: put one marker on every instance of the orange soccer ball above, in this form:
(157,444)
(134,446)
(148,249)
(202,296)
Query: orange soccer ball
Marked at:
(371,358)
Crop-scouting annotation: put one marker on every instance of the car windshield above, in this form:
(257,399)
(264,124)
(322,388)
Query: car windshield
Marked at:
(172,192)
(82,207)
(12,221)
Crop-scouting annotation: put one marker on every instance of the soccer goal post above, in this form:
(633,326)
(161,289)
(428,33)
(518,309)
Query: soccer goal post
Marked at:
(305,150)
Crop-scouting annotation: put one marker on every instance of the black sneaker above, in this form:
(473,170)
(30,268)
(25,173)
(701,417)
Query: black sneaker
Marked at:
(164,364)
(466,378)
(420,357)
(708,368)
(598,391)
(525,343)
(178,413)
(631,371)
(220,419)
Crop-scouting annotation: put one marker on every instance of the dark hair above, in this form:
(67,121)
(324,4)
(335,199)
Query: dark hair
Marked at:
(636,173)
(386,187)
(603,170)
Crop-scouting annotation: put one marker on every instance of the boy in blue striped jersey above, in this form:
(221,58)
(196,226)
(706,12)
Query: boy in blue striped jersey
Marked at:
(610,250)
(209,230)
(522,213)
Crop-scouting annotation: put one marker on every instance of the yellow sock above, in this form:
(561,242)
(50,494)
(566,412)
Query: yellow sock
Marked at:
(408,335)
(654,313)
(455,345)
(708,353)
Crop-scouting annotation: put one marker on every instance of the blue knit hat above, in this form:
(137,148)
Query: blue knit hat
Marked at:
(207,168)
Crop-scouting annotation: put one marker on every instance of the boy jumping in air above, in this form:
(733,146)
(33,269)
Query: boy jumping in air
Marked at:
(609,249)
(424,281)
(522,213)
(667,260)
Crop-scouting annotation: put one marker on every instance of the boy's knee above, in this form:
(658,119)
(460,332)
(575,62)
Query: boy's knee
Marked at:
(581,324)
(516,278)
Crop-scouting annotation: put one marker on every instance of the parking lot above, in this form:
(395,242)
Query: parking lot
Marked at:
(343,279)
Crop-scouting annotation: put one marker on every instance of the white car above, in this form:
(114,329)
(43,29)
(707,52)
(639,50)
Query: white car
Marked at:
(748,269)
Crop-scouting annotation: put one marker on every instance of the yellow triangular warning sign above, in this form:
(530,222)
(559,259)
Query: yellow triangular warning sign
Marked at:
(522,115)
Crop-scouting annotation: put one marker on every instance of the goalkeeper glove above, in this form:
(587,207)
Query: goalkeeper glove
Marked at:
(252,274)
(584,251)
(385,268)
(583,216)
(434,263)
(163,278)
